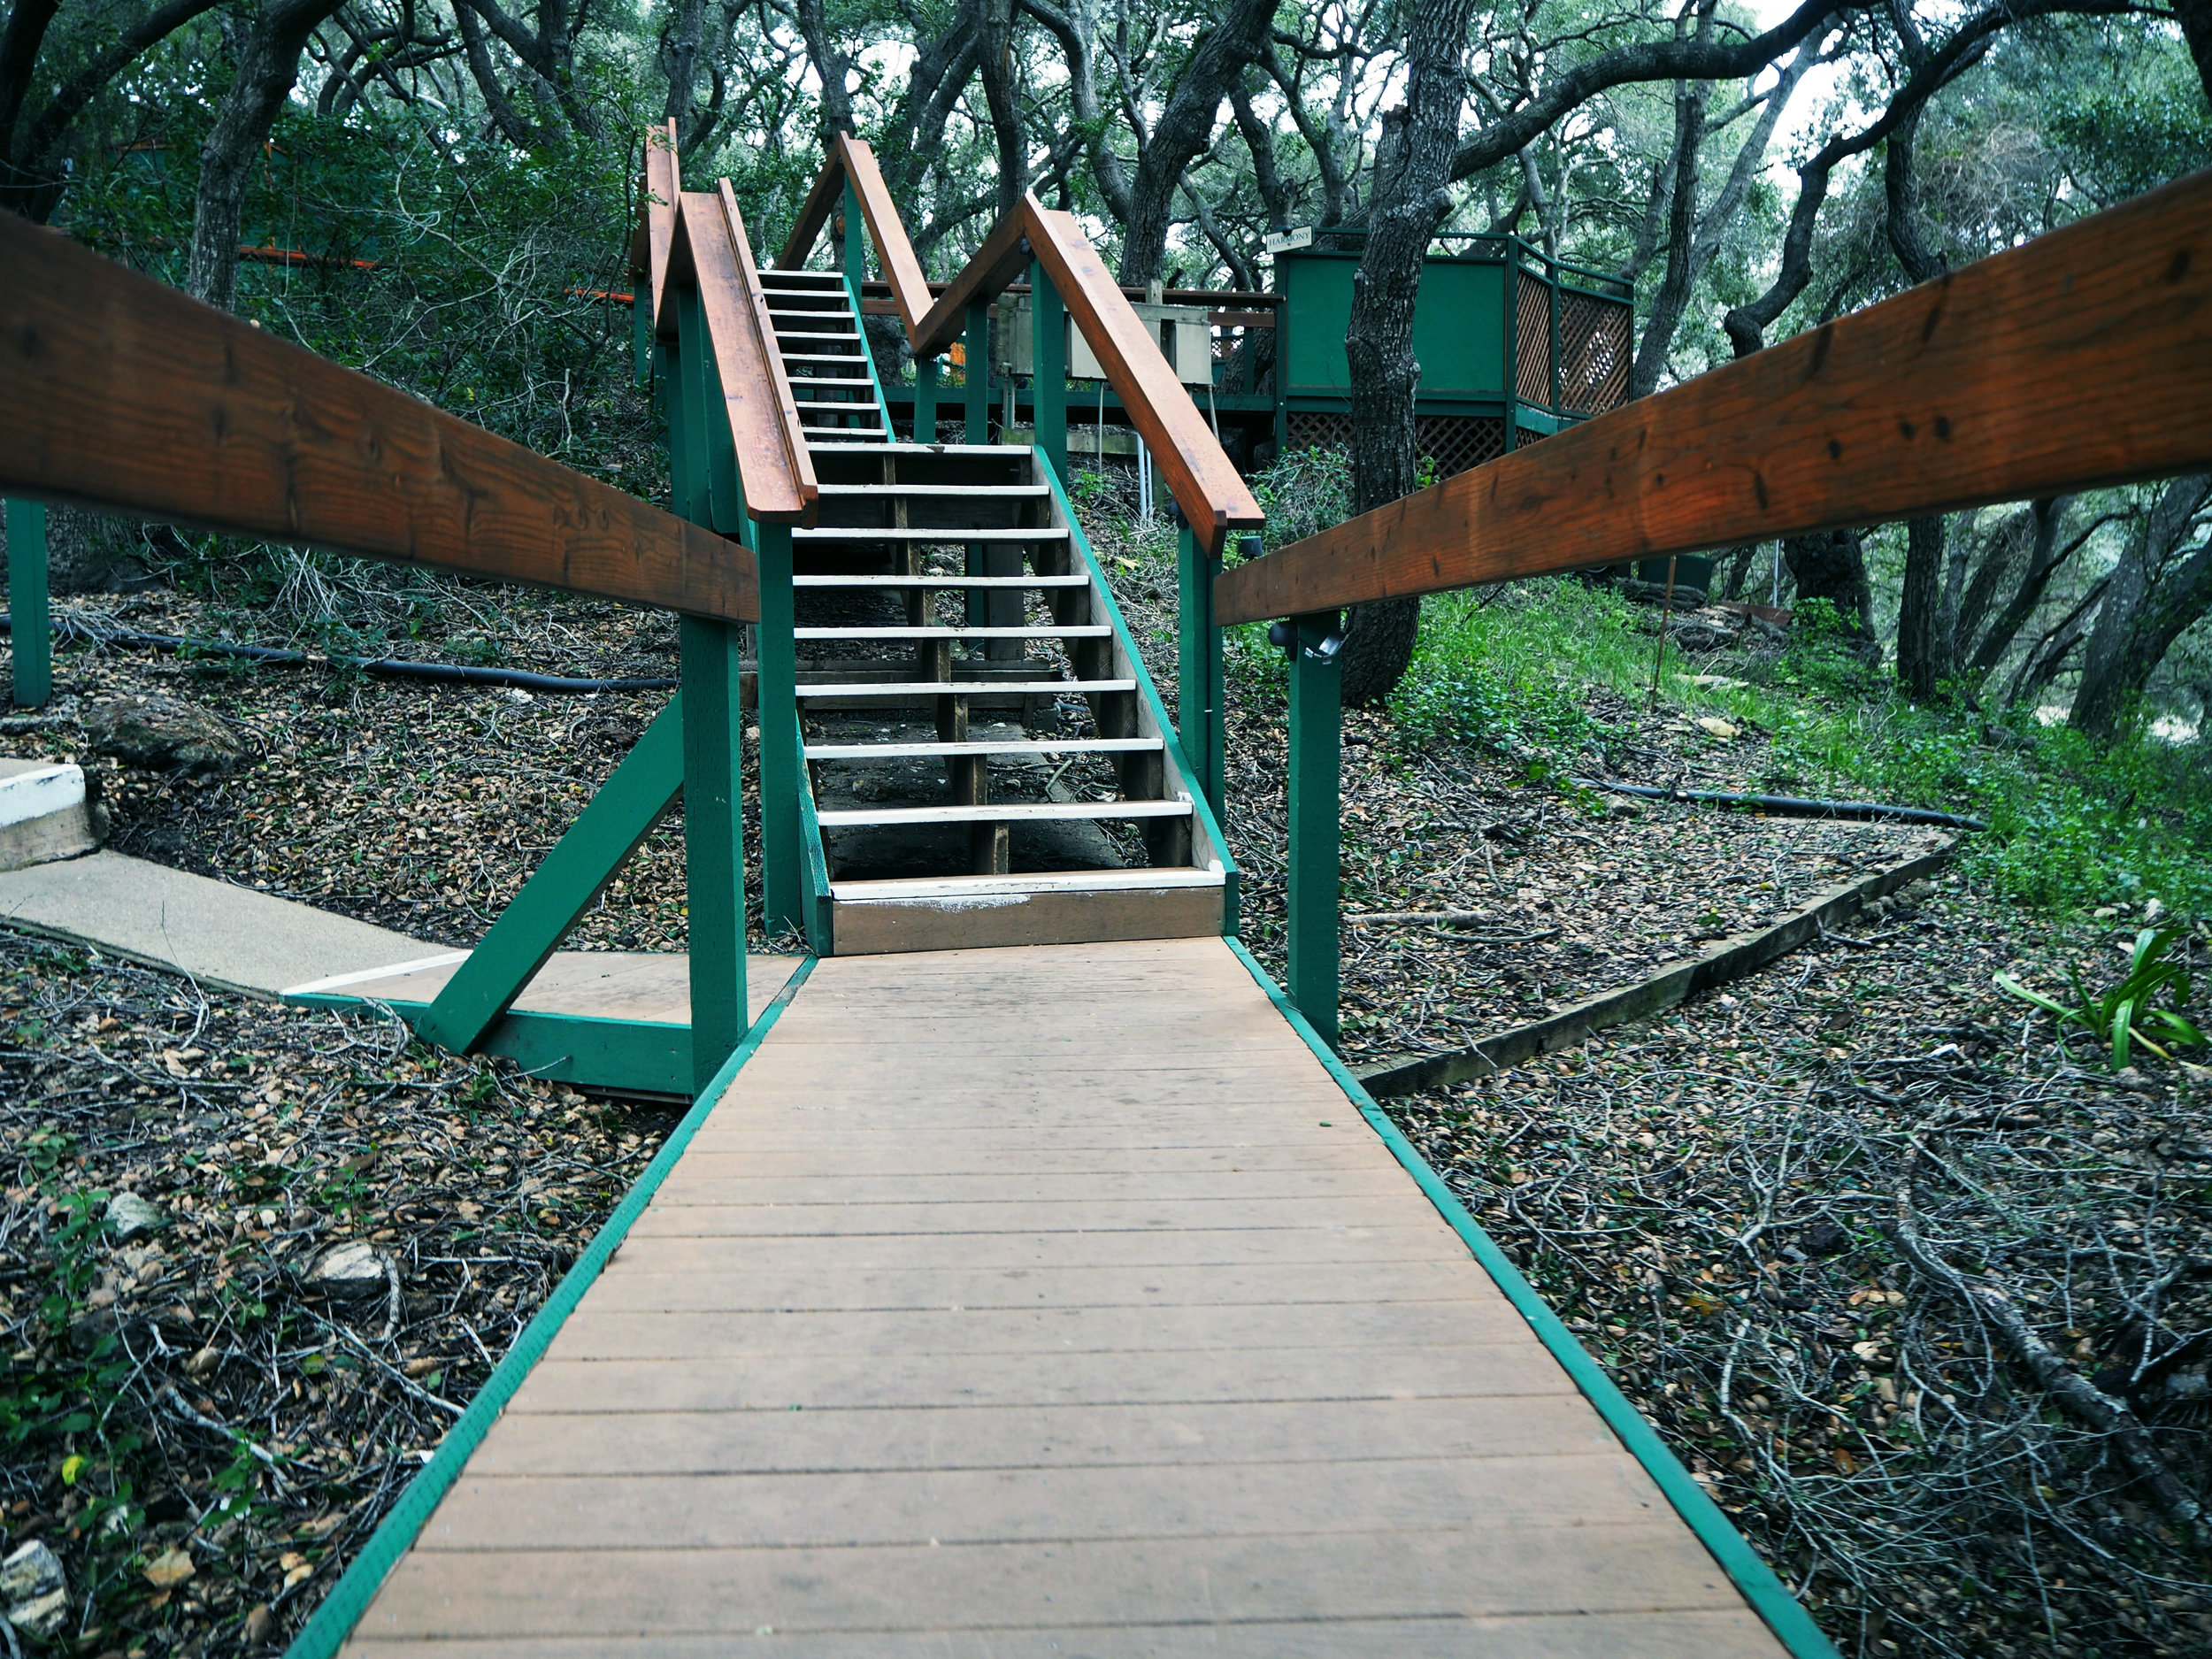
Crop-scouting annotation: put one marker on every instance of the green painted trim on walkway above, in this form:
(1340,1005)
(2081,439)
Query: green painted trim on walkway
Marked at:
(350,1597)
(1769,1597)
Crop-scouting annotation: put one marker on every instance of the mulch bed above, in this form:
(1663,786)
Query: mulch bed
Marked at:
(1724,1203)
(200,1429)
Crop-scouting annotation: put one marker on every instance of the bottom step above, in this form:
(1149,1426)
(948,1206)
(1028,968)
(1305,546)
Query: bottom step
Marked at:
(1074,907)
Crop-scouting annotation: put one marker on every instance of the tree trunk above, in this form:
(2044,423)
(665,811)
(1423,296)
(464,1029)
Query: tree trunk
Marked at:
(1832,566)
(2195,17)
(1409,205)
(1924,658)
(2152,599)
(2046,516)
(1184,129)
(268,66)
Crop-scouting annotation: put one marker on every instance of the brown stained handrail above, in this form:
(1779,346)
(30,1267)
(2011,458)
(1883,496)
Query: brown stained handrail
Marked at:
(1202,480)
(775,471)
(910,286)
(121,394)
(664,182)
(2078,360)
(851,161)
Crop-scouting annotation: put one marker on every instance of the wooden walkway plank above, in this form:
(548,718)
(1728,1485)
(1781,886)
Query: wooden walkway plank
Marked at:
(815,1382)
(1682,1635)
(1017,1294)
(1203,1433)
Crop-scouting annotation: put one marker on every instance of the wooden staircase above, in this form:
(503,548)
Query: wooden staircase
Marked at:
(988,760)
(826,356)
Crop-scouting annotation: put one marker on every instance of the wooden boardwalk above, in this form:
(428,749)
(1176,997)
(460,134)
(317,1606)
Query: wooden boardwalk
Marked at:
(1049,1300)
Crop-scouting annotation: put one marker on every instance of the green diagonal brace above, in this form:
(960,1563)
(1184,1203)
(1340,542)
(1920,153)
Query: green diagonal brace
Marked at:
(582,862)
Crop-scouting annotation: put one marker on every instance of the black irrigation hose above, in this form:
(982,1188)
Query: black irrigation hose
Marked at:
(378,668)
(1794,806)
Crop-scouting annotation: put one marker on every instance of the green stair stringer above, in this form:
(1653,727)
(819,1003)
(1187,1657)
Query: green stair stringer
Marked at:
(1201,809)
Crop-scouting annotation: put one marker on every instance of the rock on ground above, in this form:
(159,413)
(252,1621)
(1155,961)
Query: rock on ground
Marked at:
(159,734)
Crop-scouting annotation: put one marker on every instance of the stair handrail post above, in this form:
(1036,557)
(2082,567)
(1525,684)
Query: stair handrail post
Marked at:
(1048,389)
(855,249)
(1314,799)
(30,613)
(926,400)
(1200,695)
(978,370)
(710,654)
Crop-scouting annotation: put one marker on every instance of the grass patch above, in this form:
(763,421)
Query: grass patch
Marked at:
(2072,825)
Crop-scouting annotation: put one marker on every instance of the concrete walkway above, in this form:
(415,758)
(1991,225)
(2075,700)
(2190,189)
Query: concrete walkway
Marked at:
(225,937)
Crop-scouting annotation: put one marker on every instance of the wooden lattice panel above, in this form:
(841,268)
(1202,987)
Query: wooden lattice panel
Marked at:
(1310,429)
(1594,353)
(1455,443)
(1450,444)
(1532,341)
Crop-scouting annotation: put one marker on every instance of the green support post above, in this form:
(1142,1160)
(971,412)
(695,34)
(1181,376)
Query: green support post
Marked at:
(709,450)
(783,900)
(855,241)
(926,400)
(30,617)
(979,608)
(1200,713)
(561,888)
(714,843)
(979,371)
(1316,738)
(1048,392)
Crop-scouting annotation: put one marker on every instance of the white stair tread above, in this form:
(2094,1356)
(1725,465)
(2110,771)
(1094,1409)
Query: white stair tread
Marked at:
(909,690)
(1026,746)
(956,887)
(1002,812)
(927,532)
(994,492)
(929,579)
(907,446)
(782,273)
(783,335)
(804,381)
(935,631)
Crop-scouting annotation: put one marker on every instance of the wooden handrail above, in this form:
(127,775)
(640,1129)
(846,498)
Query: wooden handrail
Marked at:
(120,392)
(989,273)
(663,183)
(1204,481)
(851,161)
(910,286)
(2080,360)
(774,470)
